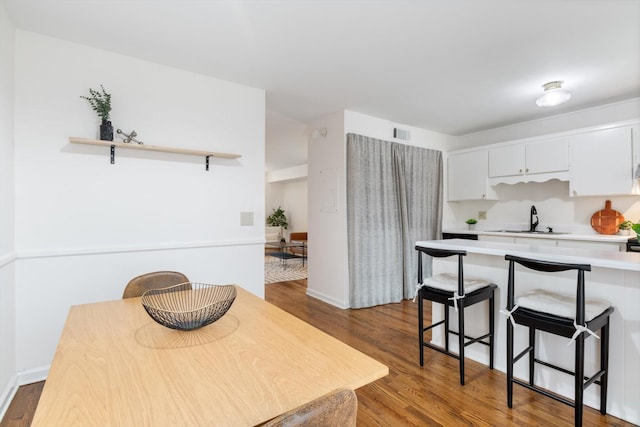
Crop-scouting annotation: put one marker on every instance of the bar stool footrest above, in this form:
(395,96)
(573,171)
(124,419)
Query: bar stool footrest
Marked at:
(441,350)
(544,392)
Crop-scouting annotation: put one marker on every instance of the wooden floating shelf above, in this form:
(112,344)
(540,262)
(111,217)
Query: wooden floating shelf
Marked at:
(144,147)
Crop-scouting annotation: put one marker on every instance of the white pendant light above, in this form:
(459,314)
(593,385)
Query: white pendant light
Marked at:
(553,95)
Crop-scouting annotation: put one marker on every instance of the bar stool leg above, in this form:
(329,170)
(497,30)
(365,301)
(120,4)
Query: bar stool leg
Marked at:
(579,378)
(421,328)
(461,339)
(604,365)
(509,364)
(491,328)
(532,354)
(446,327)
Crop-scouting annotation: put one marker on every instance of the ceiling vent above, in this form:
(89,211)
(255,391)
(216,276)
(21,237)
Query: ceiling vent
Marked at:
(401,134)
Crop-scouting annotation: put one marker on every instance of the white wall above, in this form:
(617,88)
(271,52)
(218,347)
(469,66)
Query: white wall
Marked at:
(8,380)
(328,275)
(296,204)
(288,174)
(375,127)
(601,115)
(84,227)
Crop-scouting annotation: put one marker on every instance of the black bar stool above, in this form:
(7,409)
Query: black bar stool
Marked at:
(458,292)
(563,315)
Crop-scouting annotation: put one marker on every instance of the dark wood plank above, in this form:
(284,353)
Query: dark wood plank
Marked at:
(23,406)
(423,396)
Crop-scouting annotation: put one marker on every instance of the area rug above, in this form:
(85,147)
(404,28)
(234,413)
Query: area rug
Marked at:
(275,270)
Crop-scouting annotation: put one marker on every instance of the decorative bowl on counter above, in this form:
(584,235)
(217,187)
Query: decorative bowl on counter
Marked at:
(189,305)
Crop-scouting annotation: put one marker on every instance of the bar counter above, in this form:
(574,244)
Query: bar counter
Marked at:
(615,276)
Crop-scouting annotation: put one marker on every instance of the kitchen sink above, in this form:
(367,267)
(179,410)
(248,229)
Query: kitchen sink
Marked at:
(525,232)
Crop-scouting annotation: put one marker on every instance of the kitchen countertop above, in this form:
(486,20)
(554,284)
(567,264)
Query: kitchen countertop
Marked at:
(608,238)
(596,258)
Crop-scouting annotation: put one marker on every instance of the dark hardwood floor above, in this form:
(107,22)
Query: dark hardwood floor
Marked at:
(23,406)
(410,395)
(431,396)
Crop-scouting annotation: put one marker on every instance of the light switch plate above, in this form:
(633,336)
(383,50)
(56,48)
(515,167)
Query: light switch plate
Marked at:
(482,214)
(246,219)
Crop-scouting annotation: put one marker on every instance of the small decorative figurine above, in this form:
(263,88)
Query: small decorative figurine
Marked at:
(130,137)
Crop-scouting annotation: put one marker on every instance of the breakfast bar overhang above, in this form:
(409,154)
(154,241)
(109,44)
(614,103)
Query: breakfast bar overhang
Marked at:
(614,276)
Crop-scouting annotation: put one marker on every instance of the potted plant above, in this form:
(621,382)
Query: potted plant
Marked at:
(625,227)
(636,229)
(278,219)
(100,102)
(471,222)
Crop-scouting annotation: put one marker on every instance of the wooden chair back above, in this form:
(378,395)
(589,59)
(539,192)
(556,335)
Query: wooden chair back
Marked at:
(298,235)
(154,280)
(338,408)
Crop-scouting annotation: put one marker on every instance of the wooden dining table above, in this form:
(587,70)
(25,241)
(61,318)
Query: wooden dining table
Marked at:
(115,366)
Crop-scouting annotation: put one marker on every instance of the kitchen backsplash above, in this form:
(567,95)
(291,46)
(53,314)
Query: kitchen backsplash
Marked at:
(555,208)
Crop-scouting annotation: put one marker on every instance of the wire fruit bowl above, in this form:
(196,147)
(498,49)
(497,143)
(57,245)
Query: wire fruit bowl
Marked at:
(189,305)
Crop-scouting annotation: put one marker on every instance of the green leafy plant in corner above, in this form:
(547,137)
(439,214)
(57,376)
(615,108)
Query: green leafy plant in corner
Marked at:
(636,228)
(100,102)
(471,221)
(277,218)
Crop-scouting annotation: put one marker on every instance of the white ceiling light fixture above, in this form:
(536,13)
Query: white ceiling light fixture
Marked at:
(553,95)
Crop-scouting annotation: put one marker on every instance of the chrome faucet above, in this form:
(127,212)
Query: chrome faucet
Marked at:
(533,225)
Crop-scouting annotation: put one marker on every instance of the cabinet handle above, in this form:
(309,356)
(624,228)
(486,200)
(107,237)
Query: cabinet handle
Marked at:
(526,170)
(520,170)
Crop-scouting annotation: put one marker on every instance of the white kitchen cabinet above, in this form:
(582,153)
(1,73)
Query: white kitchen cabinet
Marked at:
(596,246)
(580,242)
(530,161)
(497,239)
(536,242)
(602,163)
(507,160)
(548,155)
(467,176)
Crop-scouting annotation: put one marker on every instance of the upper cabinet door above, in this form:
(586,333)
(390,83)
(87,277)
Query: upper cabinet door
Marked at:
(602,162)
(507,161)
(549,155)
(467,176)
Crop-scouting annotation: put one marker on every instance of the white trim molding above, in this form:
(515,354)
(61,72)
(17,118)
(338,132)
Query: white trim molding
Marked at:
(28,377)
(7,258)
(7,395)
(328,299)
(52,253)
(33,375)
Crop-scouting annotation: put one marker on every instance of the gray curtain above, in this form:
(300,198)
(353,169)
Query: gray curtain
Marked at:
(394,198)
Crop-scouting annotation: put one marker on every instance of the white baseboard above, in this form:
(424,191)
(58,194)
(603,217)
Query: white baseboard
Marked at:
(328,299)
(27,377)
(33,375)
(7,395)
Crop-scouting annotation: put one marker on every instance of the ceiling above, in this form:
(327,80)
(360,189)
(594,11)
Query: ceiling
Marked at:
(451,66)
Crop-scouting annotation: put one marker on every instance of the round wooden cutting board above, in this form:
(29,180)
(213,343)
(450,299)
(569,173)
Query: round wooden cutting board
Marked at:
(606,220)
